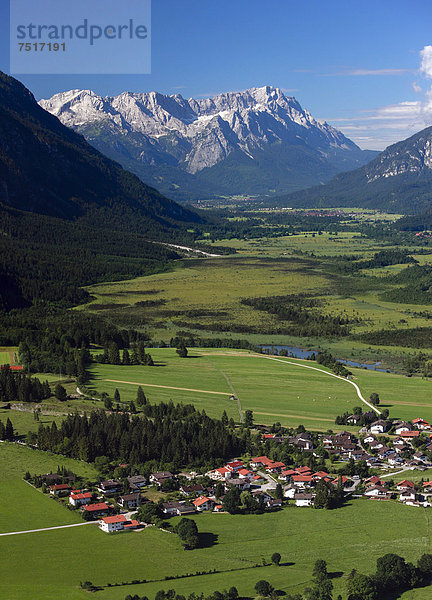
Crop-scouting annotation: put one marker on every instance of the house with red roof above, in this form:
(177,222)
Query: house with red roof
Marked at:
(99,508)
(60,489)
(374,480)
(405,485)
(203,503)
(78,498)
(409,435)
(234,466)
(302,480)
(421,423)
(301,470)
(117,523)
(258,462)
(275,467)
(242,473)
(320,475)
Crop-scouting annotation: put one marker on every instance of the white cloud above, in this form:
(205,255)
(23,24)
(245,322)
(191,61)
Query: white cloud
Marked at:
(363,72)
(426,61)
(386,125)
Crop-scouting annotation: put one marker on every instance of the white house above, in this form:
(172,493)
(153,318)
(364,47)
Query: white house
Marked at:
(369,439)
(303,499)
(378,427)
(80,498)
(377,491)
(203,503)
(403,426)
(117,523)
(407,495)
(421,424)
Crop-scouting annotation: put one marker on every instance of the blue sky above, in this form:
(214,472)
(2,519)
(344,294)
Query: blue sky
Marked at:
(353,63)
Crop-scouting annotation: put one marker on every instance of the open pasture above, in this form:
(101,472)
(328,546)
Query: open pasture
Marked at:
(22,506)
(276,392)
(232,545)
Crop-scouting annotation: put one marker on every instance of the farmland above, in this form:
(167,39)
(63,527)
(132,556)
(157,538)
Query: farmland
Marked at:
(232,544)
(275,392)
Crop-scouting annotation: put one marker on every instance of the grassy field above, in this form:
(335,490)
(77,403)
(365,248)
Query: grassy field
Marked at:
(24,422)
(21,506)
(234,544)
(204,296)
(274,391)
(7,355)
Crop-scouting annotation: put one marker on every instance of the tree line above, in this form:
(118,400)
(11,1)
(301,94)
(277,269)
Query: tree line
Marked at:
(167,433)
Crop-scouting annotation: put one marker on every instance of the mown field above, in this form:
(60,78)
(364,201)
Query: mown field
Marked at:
(56,561)
(8,355)
(203,296)
(288,393)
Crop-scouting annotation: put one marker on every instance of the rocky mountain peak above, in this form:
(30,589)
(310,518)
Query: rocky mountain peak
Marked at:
(194,135)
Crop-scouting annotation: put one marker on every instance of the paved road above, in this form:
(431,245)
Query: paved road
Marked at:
(49,528)
(271,483)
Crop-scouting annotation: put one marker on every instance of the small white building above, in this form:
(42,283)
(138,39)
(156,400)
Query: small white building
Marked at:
(303,499)
(80,498)
(378,427)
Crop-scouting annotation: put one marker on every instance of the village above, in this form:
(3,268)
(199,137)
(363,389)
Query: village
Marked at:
(367,465)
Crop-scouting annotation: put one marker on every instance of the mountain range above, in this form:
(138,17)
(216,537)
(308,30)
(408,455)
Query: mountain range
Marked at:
(397,180)
(255,142)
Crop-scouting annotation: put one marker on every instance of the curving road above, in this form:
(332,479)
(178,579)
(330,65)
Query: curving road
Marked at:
(359,394)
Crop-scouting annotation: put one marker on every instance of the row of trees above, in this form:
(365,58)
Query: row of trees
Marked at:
(304,319)
(137,355)
(6,431)
(327,360)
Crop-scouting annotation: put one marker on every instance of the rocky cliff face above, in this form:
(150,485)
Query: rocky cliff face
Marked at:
(290,148)
(409,156)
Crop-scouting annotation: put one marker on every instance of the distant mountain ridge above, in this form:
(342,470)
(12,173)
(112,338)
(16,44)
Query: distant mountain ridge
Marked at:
(258,141)
(398,180)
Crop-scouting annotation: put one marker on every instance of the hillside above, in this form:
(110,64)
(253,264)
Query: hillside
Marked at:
(48,169)
(397,180)
(258,141)
(69,216)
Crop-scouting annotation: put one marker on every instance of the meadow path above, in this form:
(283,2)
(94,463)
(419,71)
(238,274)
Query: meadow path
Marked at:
(289,362)
(48,528)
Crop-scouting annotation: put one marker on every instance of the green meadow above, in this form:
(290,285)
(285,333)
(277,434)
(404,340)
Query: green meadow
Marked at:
(288,393)
(22,506)
(351,537)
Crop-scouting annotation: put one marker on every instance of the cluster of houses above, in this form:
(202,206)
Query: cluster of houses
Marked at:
(260,474)
(407,491)
(94,505)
